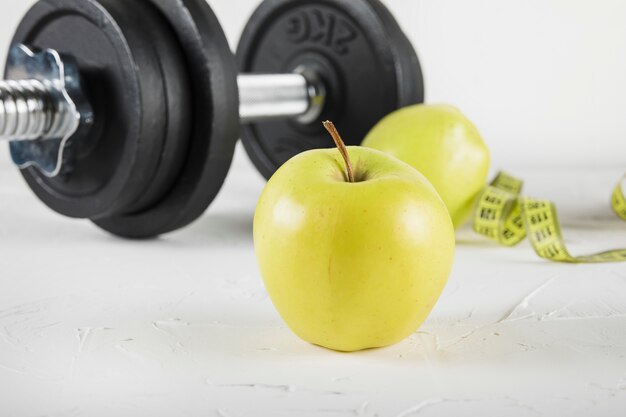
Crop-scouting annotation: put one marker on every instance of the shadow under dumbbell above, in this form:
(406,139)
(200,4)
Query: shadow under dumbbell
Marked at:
(218,229)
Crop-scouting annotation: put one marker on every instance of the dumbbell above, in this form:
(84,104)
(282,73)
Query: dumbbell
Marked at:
(127,112)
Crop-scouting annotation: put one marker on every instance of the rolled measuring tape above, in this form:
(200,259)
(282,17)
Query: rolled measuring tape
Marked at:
(505,216)
(618,202)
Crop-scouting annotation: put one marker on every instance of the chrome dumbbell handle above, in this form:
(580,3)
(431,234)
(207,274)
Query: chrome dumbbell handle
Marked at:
(300,95)
(30,110)
(43,104)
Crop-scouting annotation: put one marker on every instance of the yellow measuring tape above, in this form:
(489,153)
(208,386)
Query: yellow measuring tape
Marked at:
(505,216)
(618,202)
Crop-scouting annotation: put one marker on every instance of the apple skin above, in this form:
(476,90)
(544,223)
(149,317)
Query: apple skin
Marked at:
(441,143)
(352,266)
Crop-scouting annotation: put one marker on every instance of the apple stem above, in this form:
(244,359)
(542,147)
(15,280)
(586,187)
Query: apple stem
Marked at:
(330,126)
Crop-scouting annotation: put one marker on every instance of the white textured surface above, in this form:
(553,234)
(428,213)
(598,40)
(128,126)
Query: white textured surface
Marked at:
(92,326)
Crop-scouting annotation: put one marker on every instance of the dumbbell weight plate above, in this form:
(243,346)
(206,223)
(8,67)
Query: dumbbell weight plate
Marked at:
(162,81)
(214,128)
(366,62)
(112,168)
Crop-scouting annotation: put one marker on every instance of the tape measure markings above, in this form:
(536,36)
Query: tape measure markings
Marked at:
(506,217)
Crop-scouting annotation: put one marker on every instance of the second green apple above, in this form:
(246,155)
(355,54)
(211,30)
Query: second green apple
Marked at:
(441,143)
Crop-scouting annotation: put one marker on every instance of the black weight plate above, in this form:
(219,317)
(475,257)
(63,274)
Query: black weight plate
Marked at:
(117,161)
(177,97)
(410,75)
(214,130)
(367,64)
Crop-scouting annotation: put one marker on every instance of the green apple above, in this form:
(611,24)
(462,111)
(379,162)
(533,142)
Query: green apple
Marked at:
(441,143)
(352,265)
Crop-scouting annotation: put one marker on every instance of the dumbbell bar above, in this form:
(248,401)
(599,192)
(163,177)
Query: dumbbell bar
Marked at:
(31,110)
(47,108)
(144,99)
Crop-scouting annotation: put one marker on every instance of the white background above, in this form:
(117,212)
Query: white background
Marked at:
(544,80)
